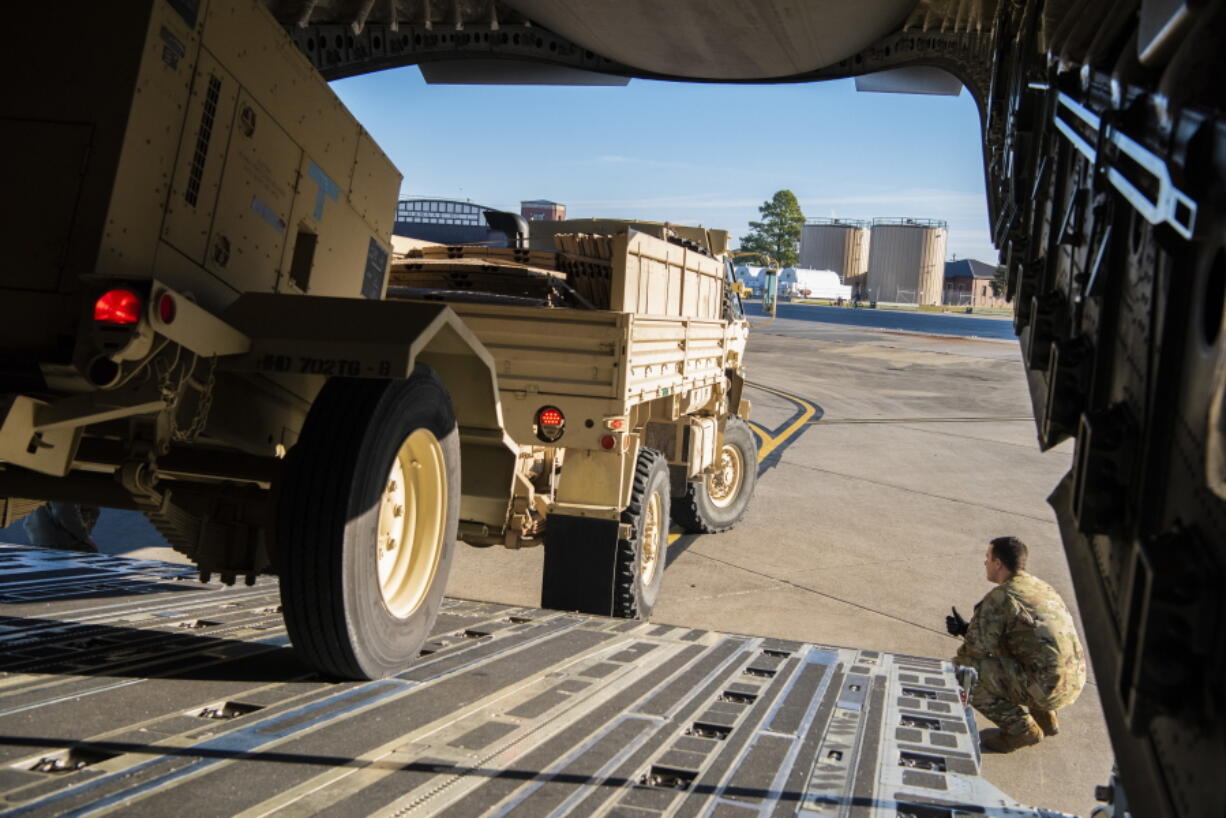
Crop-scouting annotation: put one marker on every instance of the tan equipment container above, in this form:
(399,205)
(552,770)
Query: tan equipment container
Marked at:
(205,329)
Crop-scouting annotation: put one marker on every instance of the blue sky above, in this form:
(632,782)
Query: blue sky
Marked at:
(684,152)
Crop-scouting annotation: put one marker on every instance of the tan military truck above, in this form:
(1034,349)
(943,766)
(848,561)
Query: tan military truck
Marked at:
(201,324)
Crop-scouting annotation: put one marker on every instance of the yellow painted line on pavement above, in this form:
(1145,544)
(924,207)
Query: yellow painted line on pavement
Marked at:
(764,323)
(773,442)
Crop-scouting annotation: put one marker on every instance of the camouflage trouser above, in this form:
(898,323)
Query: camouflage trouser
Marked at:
(1004,693)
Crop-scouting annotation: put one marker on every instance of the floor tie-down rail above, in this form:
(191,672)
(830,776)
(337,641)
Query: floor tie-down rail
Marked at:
(128,687)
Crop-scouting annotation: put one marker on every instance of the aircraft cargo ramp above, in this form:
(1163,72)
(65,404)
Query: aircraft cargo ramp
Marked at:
(126,686)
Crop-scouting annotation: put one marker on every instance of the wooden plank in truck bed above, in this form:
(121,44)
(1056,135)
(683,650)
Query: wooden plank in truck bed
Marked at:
(654,277)
(127,687)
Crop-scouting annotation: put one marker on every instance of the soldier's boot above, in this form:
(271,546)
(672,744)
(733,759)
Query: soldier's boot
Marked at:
(1047,721)
(999,741)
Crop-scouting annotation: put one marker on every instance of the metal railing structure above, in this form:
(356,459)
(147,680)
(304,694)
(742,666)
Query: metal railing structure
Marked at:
(907,221)
(830,221)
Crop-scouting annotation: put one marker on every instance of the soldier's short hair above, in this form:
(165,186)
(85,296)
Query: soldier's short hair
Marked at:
(1012,552)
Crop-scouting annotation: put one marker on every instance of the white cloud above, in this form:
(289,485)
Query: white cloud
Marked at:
(919,202)
(636,161)
(695,202)
(935,202)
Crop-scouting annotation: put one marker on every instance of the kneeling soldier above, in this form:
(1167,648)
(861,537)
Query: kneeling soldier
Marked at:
(1022,642)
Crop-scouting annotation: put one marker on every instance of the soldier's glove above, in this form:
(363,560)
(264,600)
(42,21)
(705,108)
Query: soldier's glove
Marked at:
(955,624)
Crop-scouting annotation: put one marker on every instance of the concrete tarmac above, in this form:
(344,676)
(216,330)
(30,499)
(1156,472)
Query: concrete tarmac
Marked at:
(872,521)
(868,523)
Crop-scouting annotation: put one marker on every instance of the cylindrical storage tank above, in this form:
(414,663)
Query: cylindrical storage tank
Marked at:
(835,244)
(906,260)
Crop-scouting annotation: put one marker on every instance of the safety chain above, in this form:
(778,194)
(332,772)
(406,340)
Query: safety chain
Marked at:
(203,406)
(172,389)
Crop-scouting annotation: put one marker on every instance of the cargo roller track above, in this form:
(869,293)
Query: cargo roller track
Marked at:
(126,687)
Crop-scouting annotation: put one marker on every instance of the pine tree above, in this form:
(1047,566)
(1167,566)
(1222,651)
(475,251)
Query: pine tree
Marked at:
(778,234)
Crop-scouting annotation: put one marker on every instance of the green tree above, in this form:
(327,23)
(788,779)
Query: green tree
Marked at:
(999,281)
(778,234)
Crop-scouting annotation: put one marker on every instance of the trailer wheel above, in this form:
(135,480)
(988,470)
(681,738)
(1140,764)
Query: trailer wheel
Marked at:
(640,559)
(366,523)
(718,502)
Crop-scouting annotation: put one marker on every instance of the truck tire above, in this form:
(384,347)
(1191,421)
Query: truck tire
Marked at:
(718,502)
(640,559)
(366,523)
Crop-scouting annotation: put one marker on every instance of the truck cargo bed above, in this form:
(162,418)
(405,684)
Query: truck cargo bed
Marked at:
(128,686)
(580,352)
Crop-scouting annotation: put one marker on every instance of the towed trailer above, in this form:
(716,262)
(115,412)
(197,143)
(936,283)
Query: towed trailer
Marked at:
(126,686)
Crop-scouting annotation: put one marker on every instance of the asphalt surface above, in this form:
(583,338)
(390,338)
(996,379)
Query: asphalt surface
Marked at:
(892,458)
(925,323)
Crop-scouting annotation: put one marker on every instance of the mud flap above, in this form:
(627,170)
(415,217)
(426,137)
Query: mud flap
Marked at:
(580,564)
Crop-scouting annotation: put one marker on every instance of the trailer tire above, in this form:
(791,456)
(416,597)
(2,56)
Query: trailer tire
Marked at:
(366,523)
(640,558)
(718,502)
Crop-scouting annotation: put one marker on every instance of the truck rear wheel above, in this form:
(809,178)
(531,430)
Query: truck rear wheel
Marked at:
(366,523)
(718,502)
(640,558)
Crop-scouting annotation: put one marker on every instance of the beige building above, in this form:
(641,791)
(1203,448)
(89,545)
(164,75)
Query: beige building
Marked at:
(906,260)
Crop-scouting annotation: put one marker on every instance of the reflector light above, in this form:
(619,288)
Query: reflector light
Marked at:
(549,423)
(608,442)
(166,308)
(117,307)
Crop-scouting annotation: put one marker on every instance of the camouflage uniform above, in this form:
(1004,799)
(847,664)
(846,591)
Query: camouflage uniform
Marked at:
(1023,643)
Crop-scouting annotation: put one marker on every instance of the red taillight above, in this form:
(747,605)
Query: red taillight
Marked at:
(549,423)
(166,308)
(608,442)
(117,307)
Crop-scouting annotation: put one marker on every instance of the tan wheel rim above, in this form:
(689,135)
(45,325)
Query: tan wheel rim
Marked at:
(724,480)
(412,519)
(649,547)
